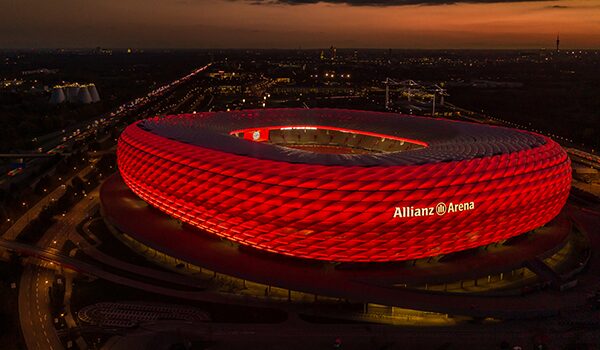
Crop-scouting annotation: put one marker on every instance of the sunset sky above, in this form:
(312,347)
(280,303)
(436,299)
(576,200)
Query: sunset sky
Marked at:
(292,24)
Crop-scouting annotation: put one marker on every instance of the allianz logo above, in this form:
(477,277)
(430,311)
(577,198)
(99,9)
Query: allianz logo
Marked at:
(440,209)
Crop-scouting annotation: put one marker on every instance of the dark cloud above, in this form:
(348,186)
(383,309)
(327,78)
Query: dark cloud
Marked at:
(381,3)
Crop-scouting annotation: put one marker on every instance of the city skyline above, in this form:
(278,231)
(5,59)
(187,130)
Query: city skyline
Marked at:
(421,24)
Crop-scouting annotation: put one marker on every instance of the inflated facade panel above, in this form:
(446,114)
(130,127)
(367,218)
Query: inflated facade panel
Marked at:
(470,186)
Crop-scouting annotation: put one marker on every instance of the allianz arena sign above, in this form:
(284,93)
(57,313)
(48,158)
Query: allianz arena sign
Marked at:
(440,209)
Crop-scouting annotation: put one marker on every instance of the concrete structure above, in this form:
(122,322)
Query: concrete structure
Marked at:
(58,95)
(74,93)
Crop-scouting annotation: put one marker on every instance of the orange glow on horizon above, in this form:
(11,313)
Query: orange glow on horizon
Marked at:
(240,24)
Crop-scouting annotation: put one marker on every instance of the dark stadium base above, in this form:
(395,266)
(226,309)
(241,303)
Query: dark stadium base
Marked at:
(406,284)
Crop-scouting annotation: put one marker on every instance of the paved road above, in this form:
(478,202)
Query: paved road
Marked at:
(34,310)
(65,226)
(33,212)
(34,304)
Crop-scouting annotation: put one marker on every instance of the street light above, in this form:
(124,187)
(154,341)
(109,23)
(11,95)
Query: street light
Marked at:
(27,211)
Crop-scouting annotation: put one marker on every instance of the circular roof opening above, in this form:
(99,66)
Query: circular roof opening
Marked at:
(328,140)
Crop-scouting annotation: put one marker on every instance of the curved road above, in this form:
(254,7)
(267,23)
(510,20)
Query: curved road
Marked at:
(34,309)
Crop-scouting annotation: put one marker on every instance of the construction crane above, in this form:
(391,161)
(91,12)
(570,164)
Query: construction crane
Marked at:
(406,84)
(409,86)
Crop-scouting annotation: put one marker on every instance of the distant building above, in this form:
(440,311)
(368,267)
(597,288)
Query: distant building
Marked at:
(229,89)
(83,96)
(322,90)
(101,51)
(222,75)
(74,93)
(94,93)
(11,83)
(57,96)
(40,71)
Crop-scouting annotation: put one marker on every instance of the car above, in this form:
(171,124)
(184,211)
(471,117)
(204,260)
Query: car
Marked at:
(15,172)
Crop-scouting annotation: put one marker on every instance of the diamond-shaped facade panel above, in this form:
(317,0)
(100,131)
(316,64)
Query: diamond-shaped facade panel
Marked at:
(465,186)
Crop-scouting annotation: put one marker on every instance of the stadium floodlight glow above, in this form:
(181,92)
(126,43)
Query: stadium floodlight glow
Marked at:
(330,128)
(451,186)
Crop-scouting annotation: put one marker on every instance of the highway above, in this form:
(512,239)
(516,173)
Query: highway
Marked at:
(36,319)
(34,304)
(34,309)
(88,127)
(12,232)
(26,155)
(130,107)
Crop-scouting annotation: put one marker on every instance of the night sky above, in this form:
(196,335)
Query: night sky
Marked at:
(298,23)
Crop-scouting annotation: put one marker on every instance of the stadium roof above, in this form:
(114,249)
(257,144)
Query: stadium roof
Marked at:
(446,140)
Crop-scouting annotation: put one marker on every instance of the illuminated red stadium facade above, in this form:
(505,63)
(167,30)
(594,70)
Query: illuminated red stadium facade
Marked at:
(347,186)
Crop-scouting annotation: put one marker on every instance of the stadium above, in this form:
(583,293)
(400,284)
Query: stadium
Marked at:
(345,186)
(365,206)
